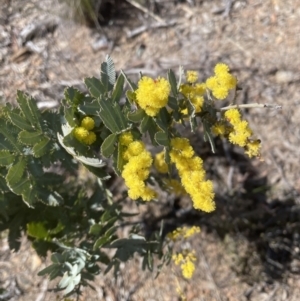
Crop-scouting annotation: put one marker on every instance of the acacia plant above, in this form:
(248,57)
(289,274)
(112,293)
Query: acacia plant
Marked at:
(43,152)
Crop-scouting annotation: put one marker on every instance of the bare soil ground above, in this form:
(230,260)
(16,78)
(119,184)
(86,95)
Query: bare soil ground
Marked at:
(249,248)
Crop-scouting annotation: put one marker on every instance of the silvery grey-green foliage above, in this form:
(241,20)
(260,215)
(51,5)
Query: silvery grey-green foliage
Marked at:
(40,194)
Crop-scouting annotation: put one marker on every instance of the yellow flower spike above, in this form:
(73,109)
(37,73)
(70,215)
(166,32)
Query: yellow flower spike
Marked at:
(152,95)
(191,76)
(88,123)
(201,192)
(137,169)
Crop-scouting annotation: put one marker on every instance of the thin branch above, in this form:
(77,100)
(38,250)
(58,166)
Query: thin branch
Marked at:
(252,105)
(145,10)
(143,28)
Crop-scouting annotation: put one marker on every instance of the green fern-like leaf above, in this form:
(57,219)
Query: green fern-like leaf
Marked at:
(7,130)
(29,109)
(113,117)
(16,171)
(6,157)
(42,147)
(108,73)
(19,121)
(95,86)
(30,138)
(118,89)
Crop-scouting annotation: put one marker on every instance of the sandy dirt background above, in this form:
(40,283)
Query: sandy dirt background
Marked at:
(249,248)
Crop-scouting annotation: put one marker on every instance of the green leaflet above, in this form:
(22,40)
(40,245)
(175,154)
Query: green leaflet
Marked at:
(16,171)
(19,121)
(108,74)
(108,145)
(136,116)
(118,89)
(162,138)
(6,158)
(30,138)
(73,96)
(42,147)
(118,160)
(95,87)
(29,194)
(148,125)
(37,230)
(10,137)
(172,81)
(89,106)
(112,116)
(163,119)
(50,198)
(98,172)
(29,109)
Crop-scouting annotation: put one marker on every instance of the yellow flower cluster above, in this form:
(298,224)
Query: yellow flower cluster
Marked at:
(241,133)
(183,232)
(186,260)
(192,174)
(221,82)
(137,169)
(194,93)
(152,95)
(83,133)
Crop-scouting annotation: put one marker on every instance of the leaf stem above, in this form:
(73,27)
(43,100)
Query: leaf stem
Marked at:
(252,105)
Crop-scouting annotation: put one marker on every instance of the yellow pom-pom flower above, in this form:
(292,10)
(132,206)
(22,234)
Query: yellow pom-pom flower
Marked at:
(219,128)
(90,139)
(233,116)
(191,76)
(88,123)
(126,138)
(84,136)
(221,82)
(152,95)
(80,133)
